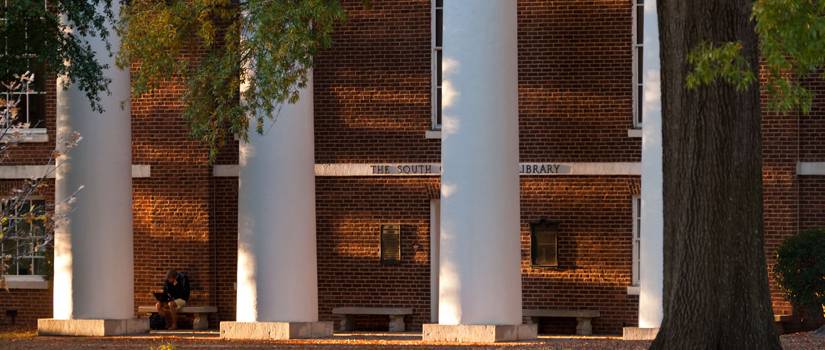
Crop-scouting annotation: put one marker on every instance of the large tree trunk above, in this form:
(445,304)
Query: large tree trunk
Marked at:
(715,279)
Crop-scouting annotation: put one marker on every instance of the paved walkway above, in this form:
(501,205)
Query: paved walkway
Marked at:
(25,340)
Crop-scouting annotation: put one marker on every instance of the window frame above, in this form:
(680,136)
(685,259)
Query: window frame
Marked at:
(437,85)
(638,60)
(28,92)
(34,255)
(534,244)
(637,239)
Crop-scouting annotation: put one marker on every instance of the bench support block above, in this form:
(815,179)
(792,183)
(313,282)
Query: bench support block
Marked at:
(637,333)
(584,326)
(275,330)
(397,323)
(200,321)
(472,333)
(346,324)
(92,328)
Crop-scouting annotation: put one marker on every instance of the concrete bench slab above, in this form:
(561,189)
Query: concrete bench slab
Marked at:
(584,318)
(396,315)
(200,314)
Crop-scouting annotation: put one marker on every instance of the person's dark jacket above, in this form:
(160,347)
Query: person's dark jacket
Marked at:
(180,290)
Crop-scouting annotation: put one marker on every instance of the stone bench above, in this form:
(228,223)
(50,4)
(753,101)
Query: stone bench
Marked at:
(396,315)
(584,325)
(200,314)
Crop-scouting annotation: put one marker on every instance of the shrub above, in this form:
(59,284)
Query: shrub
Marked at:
(800,268)
(167,346)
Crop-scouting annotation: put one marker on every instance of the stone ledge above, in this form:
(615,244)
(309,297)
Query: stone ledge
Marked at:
(472,333)
(275,330)
(92,328)
(637,333)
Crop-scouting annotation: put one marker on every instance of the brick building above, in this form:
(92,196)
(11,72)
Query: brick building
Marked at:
(583,76)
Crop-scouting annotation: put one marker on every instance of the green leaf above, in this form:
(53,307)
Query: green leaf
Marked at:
(711,63)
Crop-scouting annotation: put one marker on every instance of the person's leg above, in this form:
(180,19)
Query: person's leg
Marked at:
(173,312)
(162,310)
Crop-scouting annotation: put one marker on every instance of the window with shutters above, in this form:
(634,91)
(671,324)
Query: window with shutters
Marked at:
(544,243)
(390,243)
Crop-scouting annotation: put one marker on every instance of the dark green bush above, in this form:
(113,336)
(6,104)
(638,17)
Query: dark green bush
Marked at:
(800,268)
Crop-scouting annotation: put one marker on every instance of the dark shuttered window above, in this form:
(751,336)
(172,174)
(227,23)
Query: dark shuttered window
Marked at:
(544,243)
(390,243)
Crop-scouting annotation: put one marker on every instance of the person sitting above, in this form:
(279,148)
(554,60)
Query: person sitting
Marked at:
(176,288)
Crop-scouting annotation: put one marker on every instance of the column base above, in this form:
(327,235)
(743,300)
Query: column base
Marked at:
(275,330)
(479,333)
(638,333)
(92,328)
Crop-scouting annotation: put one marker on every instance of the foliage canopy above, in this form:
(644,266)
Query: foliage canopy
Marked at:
(264,46)
(791,46)
(49,42)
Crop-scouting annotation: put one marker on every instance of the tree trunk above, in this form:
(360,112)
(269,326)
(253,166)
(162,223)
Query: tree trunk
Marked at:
(715,277)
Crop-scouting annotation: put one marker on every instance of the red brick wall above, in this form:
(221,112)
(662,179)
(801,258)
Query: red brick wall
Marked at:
(594,246)
(172,207)
(812,126)
(225,233)
(575,76)
(350,272)
(811,202)
(372,87)
(30,305)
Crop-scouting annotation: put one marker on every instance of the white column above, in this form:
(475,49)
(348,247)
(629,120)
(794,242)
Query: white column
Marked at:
(480,273)
(93,276)
(277,279)
(651,271)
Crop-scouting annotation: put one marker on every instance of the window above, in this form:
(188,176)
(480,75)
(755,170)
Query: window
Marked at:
(25,236)
(31,99)
(438,37)
(390,243)
(638,61)
(637,237)
(544,243)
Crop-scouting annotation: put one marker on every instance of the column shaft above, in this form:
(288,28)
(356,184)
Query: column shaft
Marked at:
(277,279)
(93,274)
(480,276)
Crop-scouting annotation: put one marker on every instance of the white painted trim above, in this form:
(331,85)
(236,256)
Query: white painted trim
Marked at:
(637,213)
(379,169)
(810,168)
(225,170)
(634,133)
(633,290)
(141,170)
(25,171)
(432,134)
(603,168)
(25,282)
(435,251)
(36,171)
(33,135)
(434,169)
